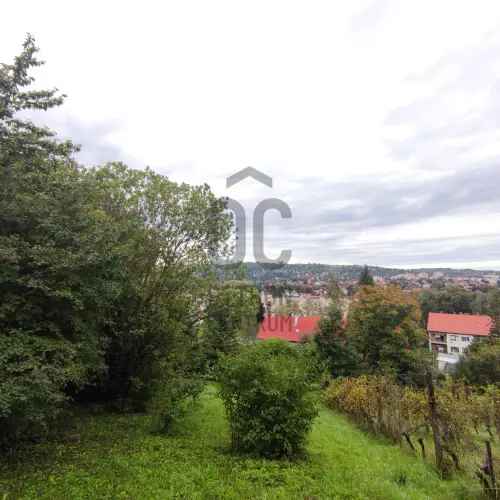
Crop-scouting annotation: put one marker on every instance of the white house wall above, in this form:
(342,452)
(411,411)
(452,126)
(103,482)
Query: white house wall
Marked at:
(458,342)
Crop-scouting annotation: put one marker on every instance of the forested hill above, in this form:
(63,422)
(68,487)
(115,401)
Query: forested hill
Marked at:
(260,273)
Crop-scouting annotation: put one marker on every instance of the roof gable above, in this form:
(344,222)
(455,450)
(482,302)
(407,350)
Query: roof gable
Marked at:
(461,324)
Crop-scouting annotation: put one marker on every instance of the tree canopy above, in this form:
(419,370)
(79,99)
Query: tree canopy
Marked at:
(384,326)
(332,342)
(481,365)
(104,271)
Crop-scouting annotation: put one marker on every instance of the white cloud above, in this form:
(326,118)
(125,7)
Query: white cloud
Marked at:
(298,90)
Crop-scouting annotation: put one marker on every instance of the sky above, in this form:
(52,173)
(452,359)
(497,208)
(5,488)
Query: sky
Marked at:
(378,120)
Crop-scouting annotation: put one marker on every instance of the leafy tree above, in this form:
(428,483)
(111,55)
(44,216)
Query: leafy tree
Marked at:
(384,328)
(493,310)
(176,384)
(456,300)
(332,343)
(365,278)
(231,318)
(103,272)
(268,392)
(452,300)
(55,273)
(20,138)
(481,365)
(169,235)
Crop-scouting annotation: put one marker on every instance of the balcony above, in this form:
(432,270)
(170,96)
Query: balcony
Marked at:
(439,348)
(439,338)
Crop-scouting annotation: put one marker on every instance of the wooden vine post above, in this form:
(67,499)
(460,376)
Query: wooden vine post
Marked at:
(491,470)
(434,420)
(486,474)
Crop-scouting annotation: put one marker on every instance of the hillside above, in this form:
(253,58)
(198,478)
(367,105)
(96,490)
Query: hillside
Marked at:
(118,457)
(259,273)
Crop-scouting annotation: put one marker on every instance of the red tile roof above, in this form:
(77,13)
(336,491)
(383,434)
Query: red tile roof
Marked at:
(289,328)
(462,324)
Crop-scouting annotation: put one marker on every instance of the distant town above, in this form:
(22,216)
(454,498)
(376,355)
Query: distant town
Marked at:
(303,288)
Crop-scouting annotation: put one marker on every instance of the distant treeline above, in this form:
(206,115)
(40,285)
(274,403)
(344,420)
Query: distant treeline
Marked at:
(261,273)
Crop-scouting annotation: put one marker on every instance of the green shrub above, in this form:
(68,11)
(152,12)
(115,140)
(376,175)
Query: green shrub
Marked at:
(481,366)
(174,394)
(268,392)
(30,389)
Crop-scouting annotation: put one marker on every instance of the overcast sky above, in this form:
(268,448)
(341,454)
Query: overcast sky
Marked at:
(379,121)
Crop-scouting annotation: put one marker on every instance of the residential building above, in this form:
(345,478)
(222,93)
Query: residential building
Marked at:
(451,334)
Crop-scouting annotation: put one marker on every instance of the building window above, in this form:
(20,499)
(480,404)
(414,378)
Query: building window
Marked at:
(453,338)
(455,349)
(465,339)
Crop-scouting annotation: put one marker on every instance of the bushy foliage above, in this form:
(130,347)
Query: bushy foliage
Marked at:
(55,269)
(102,271)
(168,234)
(231,317)
(453,300)
(332,342)
(175,391)
(481,365)
(384,329)
(32,372)
(268,392)
(456,300)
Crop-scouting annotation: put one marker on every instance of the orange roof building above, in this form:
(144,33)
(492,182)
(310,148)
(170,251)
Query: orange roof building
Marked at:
(450,335)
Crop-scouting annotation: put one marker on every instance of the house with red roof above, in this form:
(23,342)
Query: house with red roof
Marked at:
(451,334)
(289,328)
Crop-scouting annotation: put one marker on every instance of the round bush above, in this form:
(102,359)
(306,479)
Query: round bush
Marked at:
(269,394)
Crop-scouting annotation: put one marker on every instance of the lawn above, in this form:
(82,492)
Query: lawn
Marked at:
(117,456)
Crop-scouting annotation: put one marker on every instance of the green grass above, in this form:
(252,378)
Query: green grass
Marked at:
(118,457)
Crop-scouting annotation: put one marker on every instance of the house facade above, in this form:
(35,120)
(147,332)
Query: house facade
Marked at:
(451,334)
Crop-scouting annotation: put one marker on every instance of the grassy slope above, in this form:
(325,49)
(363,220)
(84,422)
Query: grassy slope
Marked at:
(119,458)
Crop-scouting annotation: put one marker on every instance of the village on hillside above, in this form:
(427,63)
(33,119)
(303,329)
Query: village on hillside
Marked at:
(294,307)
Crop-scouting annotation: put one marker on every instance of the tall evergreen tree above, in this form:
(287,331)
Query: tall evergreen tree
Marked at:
(365,278)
